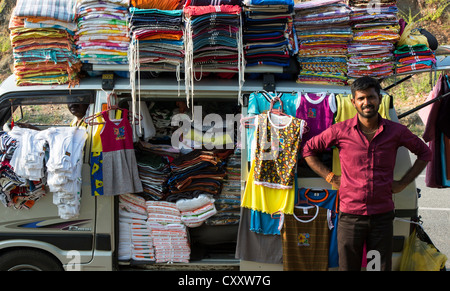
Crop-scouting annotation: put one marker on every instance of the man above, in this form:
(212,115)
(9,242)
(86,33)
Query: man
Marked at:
(79,111)
(367,147)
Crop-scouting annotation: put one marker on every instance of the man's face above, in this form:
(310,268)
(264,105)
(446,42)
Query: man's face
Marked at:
(79,110)
(367,102)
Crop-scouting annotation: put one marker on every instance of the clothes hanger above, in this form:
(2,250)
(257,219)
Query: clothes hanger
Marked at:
(90,120)
(278,111)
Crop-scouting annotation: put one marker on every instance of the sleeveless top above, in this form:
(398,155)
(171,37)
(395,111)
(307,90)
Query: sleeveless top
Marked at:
(276,150)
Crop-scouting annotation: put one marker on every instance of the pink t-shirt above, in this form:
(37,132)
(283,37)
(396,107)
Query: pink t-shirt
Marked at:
(317,110)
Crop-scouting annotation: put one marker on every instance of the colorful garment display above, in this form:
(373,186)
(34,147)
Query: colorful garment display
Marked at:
(102,35)
(375,30)
(213,38)
(43,43)
(268,33)
(157,38)
(412,58)
(323,31)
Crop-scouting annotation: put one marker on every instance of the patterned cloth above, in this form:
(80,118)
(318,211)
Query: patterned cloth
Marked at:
(276,151)
(56,9)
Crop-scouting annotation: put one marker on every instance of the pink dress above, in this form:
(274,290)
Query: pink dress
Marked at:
(120,172)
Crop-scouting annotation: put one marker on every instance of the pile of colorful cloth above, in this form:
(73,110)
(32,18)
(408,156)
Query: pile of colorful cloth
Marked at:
(323,31)
(213,37)
(168,233)
(102,36)
(135,240)
(228,202)
(154,172)
(197,172)
(42,38)
(412,58)
(375,30)
(157,36)
(268,36)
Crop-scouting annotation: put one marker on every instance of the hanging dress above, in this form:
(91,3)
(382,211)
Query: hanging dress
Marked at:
(120,172)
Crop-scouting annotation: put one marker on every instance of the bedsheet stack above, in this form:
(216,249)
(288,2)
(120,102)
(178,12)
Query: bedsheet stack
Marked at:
(412,58)
(102,36)
(375,30)
(323,31)
(43,42)
(213,37)
(197,172)
(268,35)
(168,232)
(228,202)
(158,37)
(135,240)
(154,172)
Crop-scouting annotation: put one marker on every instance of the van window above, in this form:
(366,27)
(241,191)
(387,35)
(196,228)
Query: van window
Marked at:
(43,115)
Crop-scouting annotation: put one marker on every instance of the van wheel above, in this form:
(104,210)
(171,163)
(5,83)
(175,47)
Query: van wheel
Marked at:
(28,260)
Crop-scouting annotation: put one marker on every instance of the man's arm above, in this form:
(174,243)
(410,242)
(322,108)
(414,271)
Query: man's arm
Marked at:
(320,169)
(318,144)
(410,175)
(423,153)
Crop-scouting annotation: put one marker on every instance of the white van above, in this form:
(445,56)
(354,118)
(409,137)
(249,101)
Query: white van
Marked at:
(37,239)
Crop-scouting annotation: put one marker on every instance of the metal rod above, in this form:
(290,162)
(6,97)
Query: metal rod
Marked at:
(423,105)
(397,83)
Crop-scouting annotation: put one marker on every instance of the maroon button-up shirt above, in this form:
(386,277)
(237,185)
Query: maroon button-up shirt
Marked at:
(367,167)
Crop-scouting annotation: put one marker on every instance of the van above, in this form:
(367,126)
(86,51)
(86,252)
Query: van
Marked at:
(38,239)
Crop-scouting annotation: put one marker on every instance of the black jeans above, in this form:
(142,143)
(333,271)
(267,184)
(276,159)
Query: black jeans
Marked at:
(374,230)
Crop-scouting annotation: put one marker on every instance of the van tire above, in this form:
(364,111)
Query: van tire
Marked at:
(28,260)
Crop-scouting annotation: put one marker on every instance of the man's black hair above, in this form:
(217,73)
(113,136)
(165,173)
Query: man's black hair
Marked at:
(364,83)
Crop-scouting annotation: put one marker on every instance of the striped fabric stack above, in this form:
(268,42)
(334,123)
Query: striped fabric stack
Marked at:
(375,30)
(42,38)
(135,240)
(157,35)
(168,232)
(102,36)
(268,36)
(323,30)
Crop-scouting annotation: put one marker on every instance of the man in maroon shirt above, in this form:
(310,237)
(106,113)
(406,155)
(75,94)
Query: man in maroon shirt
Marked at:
(368,147)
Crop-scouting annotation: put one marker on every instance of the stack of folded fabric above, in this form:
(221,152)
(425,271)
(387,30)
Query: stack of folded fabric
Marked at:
(102,36)
(196,210)
(412,58)
(135,241)
(154,172)
(268,36)
(157,36)
(228,202)
(213,37)
(43,42)
(323,31)
(194,173)
(169,234)
(375,30)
